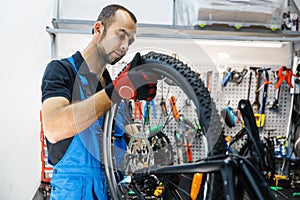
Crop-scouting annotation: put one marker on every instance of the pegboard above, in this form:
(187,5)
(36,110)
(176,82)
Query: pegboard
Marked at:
(276,120)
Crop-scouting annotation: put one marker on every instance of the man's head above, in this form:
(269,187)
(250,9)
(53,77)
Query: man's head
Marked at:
(107,15)
(114,31)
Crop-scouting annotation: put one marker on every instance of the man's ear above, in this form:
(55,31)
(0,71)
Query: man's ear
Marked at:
(98,28)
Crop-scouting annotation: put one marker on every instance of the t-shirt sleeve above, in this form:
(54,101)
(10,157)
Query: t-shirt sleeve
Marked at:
(57,80)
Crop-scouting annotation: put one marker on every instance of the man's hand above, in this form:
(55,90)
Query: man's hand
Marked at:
(132,84)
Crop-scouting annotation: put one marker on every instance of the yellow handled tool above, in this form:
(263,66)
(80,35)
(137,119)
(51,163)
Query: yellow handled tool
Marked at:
(196,184)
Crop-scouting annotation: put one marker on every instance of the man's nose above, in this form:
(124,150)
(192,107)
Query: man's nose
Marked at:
(125,45)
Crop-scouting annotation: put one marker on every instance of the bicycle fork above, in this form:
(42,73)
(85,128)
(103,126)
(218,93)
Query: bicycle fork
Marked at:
(249,178)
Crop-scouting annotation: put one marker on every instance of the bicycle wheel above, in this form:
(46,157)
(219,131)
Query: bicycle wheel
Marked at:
(181,125)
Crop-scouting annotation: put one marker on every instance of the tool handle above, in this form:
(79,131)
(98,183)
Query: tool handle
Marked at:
(164,108)
(226,78)
(249,86)
(174,107)
(196,184)
(146,113)
(296,194)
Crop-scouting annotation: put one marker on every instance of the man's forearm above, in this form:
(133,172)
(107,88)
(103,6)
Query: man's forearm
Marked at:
(61,120)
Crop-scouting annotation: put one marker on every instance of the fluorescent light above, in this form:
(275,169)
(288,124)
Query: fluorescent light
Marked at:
(240,43)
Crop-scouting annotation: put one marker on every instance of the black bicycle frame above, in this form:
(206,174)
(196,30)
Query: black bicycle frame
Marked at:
(236,170)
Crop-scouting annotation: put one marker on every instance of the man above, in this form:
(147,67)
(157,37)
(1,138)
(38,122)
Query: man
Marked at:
(77,92)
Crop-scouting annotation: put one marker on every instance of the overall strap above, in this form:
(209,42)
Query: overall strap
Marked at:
(84,84)
(82,78)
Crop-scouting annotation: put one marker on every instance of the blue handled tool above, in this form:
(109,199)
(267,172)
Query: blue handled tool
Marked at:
(227,77)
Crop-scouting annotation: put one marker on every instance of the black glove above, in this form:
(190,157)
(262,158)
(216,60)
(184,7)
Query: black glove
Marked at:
(132,84)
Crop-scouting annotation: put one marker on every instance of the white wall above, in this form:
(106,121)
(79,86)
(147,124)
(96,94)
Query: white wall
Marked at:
(25,51)
(154,11)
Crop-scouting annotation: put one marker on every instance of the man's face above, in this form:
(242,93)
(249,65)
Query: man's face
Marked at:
(119,36)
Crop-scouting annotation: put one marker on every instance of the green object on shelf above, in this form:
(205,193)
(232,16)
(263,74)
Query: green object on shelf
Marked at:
(201,25)
(238,26)
(273,29)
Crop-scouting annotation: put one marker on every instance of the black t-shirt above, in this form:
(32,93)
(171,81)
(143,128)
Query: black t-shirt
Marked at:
(60,80)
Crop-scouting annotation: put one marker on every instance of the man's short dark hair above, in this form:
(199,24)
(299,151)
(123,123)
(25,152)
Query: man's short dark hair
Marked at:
(107,15)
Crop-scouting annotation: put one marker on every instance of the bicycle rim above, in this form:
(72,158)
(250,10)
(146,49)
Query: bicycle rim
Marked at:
(164,140)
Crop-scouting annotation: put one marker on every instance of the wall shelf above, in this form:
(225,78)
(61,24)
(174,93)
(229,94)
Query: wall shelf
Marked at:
(220,32)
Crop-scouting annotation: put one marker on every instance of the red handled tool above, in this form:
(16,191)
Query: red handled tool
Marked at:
(137,114)
(284,74)
(188,148)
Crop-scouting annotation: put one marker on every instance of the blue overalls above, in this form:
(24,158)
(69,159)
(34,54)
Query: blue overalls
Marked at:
(80,174)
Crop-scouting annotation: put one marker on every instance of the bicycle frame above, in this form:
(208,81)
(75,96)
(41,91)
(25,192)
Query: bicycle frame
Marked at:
(230,167)
(235,170)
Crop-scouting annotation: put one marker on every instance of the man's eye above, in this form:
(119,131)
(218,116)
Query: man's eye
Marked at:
(122,36)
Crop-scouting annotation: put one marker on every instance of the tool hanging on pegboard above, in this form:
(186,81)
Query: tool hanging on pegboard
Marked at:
(262,84)
(147,108)
(230,116)
(274,104)
(233,75)
(285,74)
(137,113)
(174,108)
(256,103)
(249,86)
(163,102)
(209,81)
(260,118)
